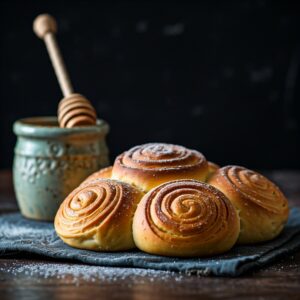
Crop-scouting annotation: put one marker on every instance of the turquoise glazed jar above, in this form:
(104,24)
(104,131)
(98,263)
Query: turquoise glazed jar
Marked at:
(51,161)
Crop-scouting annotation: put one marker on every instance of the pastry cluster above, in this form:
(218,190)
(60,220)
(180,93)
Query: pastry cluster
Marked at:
(169,200)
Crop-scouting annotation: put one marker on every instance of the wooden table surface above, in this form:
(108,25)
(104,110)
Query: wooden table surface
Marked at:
(33,277)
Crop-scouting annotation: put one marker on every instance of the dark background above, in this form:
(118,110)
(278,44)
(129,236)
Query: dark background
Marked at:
(219,76)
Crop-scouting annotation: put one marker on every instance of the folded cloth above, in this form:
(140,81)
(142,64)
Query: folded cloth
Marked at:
(18,234)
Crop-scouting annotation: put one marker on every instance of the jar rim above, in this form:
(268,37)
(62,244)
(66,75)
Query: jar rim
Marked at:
(47,126)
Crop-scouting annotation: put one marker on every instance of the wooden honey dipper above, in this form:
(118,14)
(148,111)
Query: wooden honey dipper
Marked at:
(73,109)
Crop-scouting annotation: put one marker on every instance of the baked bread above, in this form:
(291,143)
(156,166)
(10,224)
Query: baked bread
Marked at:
(262,207)
(212,168)
(98,216)
(147,166)
(103,173)
(185,218)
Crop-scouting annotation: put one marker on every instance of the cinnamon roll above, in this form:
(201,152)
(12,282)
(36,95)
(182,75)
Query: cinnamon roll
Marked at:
(150,165)
(185,218)
(262,207)
(212,168)
(103,173)
(98,216)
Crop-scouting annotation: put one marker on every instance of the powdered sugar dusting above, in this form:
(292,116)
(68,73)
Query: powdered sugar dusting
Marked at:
(78,274)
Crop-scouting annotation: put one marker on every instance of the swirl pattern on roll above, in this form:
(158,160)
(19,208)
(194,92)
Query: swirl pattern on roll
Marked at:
(151,164)
(162,157)
(255,187)
(94,215)
(185,218)
(262,207)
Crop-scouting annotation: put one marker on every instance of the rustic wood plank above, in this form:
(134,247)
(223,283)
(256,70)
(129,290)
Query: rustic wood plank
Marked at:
(276,282)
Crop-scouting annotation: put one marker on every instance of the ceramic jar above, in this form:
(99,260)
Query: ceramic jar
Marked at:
(51,161)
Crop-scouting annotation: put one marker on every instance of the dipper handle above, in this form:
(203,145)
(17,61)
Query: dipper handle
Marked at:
(45,28)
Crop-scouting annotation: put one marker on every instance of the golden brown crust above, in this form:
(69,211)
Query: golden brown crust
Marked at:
(212,168)
(103,173)
(185,218)
(262,207)
(150,165)
(98,216)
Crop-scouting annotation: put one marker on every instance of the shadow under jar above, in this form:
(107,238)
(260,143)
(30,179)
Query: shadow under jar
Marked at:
(51,161)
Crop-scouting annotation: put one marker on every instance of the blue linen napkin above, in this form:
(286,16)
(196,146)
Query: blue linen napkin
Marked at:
(18,234)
